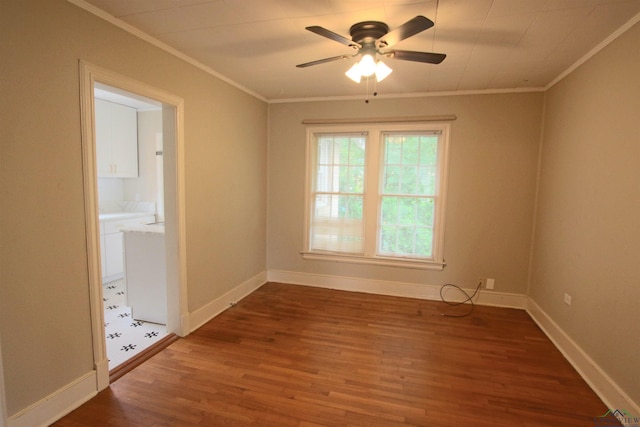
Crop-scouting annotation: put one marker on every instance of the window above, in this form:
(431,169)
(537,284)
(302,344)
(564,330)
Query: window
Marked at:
(376,194)
(338,193)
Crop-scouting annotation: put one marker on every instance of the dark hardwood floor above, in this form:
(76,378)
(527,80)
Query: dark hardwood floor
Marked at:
(300,356)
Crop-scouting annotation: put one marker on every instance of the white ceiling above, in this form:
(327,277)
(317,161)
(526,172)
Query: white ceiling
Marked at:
(490,44)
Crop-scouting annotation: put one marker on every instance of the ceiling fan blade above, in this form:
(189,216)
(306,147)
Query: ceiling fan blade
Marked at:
(406,30)
(333,36)
(408,55)
(322,61)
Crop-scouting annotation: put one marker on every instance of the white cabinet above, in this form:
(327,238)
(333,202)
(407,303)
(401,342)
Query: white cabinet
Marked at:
(116,140)
(113,259)
(146,273)
(111,245)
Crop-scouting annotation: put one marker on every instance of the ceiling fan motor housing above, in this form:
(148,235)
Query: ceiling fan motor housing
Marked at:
(368,31)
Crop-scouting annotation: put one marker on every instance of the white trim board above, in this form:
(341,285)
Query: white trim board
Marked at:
(173,131)
(608,391)
(398,289)
(4,422)
(220,304)
(57,404)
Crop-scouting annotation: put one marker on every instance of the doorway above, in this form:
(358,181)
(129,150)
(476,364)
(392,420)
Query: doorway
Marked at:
(156,198)
(129,159)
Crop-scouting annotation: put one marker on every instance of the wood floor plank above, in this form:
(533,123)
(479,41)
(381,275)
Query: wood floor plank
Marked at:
(300,356)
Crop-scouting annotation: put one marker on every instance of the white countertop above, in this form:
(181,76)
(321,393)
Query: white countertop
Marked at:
(148,228)
(113,216)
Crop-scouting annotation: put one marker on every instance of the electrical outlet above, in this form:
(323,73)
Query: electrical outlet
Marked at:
(489,283)
(567,299)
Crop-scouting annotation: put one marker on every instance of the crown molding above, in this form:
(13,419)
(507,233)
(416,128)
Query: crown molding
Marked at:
(161,45)
(606,42)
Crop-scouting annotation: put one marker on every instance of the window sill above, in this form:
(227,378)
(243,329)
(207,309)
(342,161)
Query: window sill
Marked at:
(381,261)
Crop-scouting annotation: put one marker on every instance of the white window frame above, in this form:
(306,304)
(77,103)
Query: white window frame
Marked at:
(372,194)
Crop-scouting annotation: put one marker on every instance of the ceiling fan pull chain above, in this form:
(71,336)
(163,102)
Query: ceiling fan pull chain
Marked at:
(366,97)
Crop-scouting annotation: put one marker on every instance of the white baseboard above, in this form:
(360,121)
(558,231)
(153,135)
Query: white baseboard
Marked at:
(608,391)
(4,421)
(185,326)
(400,289)
(57,404)
(102,374)
(217,306)
(63,401)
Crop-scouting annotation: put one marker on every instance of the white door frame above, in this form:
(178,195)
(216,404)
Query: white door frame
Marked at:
(175,229)
(3,402)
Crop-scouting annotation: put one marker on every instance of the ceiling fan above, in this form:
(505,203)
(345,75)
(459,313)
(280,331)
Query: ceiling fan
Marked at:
(372,39)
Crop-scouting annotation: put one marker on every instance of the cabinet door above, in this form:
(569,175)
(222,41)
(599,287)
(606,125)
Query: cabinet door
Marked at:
(124,141)
(113,254)
(116,140)
(103,138)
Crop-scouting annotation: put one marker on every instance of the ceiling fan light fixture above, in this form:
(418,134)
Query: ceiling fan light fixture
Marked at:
(354,73)
(367,65)
(382,71)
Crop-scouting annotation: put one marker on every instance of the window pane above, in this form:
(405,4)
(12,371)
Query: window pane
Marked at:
(353,180)
(351,207)
(328,206)
(337,211)
(391,178)
(388,239)
(406,240)
(410,150)
(409,174)
(356,152)
(393,150)
(424,242)
(406,226)
(409,164)
(340,236)
(424,215)
(343,179)
(426,181)
(389,214)
(407,211)
(325,151)
(342,149)
(322,207)
(409,180)
(324,178)
(337,223)
(428,150)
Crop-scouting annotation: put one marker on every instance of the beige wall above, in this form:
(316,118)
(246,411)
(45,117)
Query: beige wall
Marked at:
(587,234)
(492,173)
(587,242)
(44,296)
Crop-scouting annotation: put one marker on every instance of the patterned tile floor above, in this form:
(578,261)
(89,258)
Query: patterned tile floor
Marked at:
(126,336)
